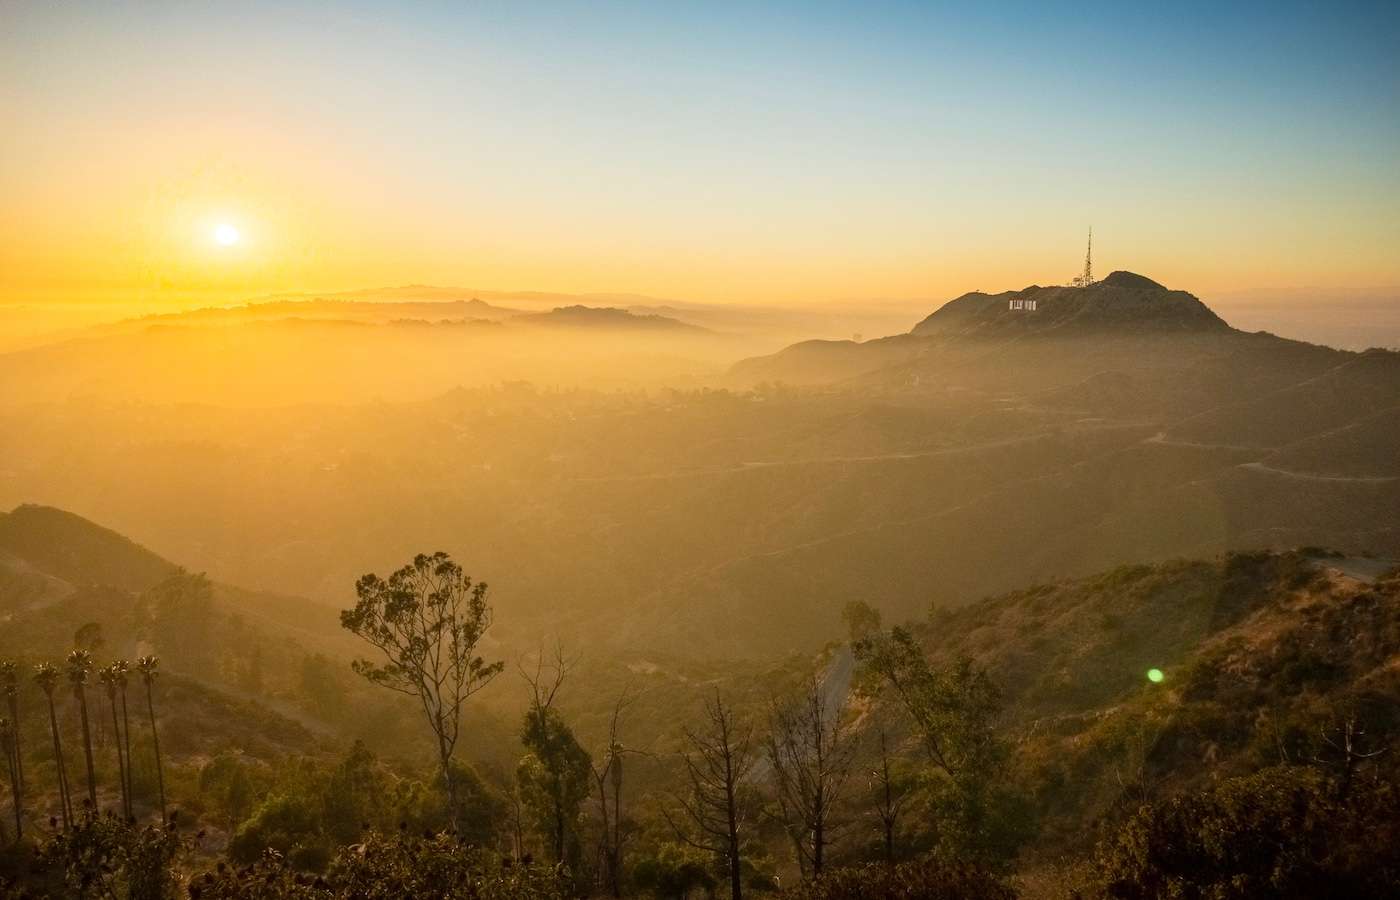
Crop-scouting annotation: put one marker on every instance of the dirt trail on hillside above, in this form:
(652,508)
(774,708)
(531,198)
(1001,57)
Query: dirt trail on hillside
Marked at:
(1304,476)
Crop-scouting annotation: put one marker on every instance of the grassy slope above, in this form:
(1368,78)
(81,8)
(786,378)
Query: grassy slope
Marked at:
(1260,652)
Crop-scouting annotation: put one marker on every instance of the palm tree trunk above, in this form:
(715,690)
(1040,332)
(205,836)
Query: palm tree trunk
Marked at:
(87,749)
(130,786)
(19,756)
(12,759)
(155,741)
(65,804)
(121,762)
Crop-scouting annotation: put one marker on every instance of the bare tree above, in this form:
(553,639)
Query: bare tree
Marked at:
(890,794)
(811,751)
(553,775)
(1344,742)
(46,676)
(427,620)
(608,778)
(717,767)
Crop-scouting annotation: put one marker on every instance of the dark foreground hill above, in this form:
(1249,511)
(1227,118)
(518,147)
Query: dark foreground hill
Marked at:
(1260,661)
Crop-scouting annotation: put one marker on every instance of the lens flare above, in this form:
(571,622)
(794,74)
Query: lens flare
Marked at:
(1155,676)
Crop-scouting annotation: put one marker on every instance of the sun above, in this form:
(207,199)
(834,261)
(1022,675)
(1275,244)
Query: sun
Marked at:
(226,235)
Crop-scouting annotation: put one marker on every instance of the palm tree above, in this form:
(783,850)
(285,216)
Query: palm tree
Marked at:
(126,742)
(7,745)
(147,666)
(46,676)
(79,666)
(111,677)
(9,684)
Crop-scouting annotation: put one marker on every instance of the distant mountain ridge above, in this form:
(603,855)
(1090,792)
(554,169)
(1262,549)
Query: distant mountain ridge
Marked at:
(379,312)
(67,546)
(579,316)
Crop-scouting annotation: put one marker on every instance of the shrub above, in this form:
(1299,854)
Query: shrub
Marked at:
(926,879)
(1282,832)
(674,871)
(103,856)
(389,868)
(287,825)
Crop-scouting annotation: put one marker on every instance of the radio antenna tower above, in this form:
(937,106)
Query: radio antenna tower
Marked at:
(1088,277)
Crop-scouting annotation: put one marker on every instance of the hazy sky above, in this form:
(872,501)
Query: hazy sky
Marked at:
(734,152)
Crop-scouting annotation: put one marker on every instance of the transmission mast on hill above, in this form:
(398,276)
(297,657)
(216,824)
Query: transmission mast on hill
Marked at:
(1088,277)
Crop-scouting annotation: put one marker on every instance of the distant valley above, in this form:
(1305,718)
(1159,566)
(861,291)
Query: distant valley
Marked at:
(989,447)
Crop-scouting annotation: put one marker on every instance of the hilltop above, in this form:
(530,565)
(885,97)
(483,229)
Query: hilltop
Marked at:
(1118,313)
(1122,302)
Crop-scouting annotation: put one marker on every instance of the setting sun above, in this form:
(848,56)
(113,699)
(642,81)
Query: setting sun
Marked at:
(226,235)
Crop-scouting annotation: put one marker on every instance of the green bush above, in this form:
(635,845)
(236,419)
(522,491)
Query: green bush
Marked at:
(674,871)
(288,825)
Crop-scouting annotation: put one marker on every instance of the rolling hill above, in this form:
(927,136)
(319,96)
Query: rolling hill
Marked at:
(915,470)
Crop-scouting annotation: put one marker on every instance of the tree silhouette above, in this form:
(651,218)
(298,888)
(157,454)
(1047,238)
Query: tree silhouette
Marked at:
(554,773)
(149,666)
(608,778)
(811,751)
(1344,744)
(126,738)
(426,620)
(89,637)
(113,678)
(9,684)
(954,710)
(7,746)
(79,666)
(46,676)
(720,761)
(890,792)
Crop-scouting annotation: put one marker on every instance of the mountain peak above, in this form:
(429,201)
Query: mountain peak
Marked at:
(1133,280)
(1124,302)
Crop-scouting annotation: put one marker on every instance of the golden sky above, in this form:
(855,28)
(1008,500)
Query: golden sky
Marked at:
(735,153)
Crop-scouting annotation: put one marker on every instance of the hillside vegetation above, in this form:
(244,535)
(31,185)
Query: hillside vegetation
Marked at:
(1269,665)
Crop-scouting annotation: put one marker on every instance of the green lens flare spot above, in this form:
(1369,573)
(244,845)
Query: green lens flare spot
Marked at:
(1155,676)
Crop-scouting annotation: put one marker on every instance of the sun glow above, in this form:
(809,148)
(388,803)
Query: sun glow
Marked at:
(226,235)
